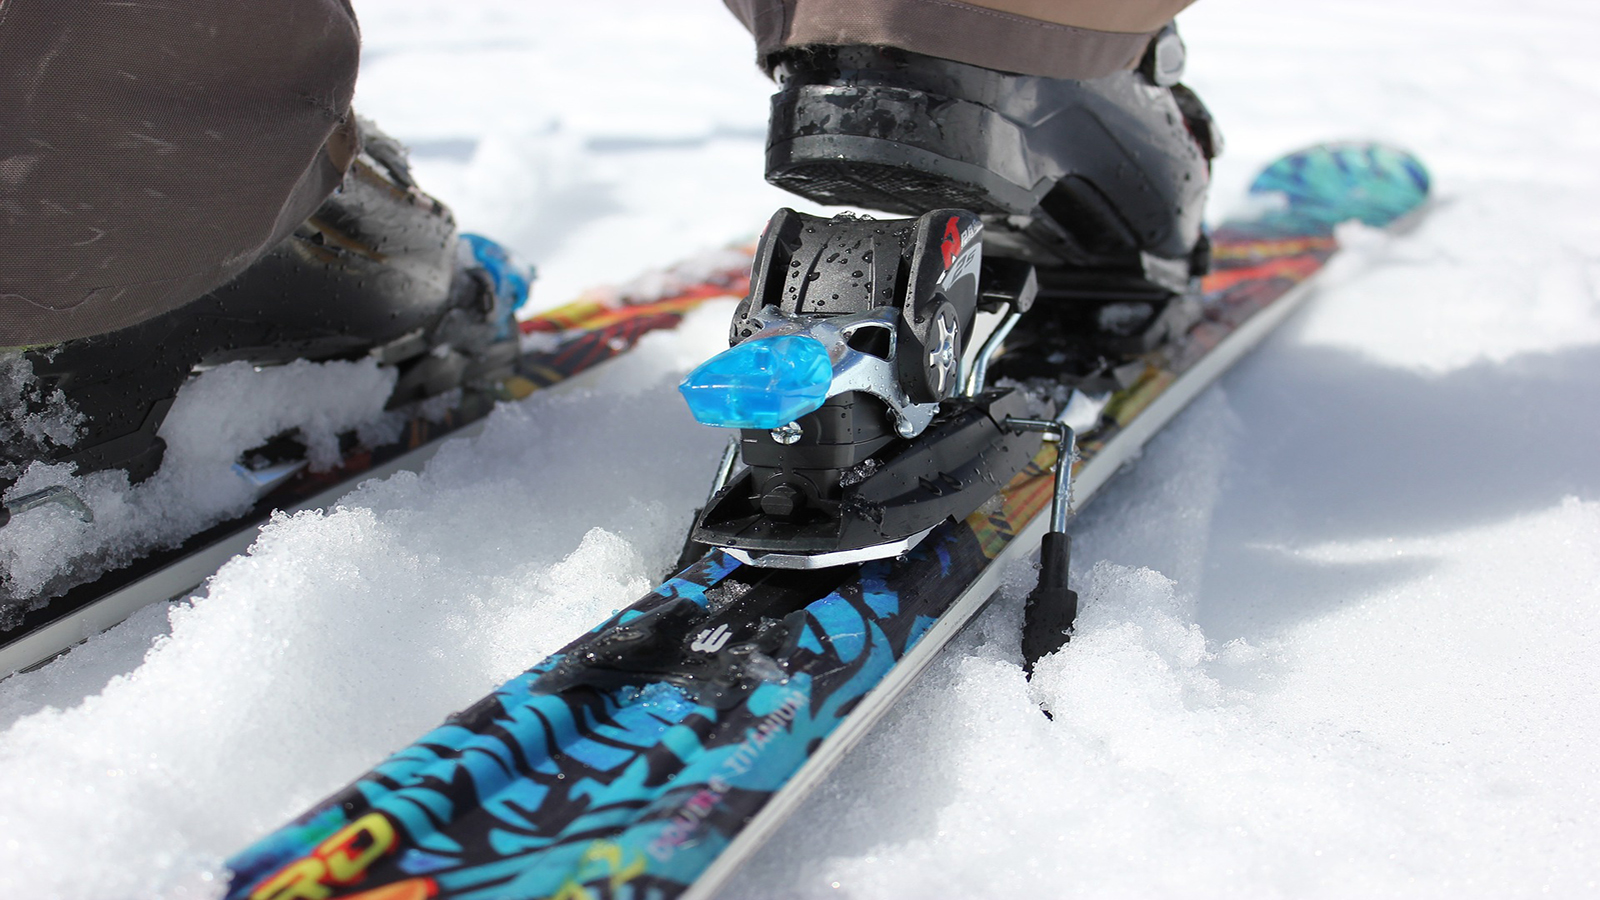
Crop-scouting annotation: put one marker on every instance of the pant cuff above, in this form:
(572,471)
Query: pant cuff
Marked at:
(947,29)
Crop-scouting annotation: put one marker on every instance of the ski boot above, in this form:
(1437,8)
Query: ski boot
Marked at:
(379,270)
(1098,184)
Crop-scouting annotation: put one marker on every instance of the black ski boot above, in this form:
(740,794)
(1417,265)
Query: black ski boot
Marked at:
(379,270)
(1099,184)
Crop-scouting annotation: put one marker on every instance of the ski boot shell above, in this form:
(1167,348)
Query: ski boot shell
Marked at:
(1100,183)
(379,270)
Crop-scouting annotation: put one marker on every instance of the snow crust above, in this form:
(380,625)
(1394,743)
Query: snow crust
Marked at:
(1337,635)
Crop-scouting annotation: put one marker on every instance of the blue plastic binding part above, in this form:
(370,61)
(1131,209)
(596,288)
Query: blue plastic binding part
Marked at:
(762,383)
(512,278)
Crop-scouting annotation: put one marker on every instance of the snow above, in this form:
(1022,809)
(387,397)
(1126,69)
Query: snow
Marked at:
(33,419)
(1338,623)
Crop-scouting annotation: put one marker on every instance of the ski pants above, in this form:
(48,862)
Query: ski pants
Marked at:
(150,152)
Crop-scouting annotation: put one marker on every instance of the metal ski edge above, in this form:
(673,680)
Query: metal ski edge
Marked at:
(1117,452)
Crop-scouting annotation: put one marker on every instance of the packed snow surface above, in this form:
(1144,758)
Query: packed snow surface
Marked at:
(1339,623)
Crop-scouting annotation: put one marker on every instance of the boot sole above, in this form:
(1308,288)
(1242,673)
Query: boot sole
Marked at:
(892,149)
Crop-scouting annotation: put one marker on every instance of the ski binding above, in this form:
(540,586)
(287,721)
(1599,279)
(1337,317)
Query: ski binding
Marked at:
(863,414)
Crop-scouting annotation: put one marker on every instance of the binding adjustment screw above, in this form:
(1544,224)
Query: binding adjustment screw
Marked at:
(783,501)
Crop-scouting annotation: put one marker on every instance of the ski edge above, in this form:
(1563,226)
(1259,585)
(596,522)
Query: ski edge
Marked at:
(1121,449)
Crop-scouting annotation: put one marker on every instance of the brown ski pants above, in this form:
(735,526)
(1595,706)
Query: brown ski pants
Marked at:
(150,152)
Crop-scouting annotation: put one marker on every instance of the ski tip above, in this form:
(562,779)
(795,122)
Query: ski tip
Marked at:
(1331,183)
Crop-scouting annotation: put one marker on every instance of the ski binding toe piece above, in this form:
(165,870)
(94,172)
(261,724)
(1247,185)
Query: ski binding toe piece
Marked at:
(863,420)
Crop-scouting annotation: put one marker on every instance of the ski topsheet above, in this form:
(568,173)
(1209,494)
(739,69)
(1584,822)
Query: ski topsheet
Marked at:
(557,345)
(651,756)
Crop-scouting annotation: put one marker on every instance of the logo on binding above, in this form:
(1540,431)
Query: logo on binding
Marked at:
(950,247)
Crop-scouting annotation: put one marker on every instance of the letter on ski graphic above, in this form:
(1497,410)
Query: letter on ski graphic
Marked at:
(711,640)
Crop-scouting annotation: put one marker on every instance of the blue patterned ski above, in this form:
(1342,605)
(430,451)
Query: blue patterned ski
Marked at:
(646,759)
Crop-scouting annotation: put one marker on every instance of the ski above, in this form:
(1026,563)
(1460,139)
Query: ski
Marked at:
(652,756)
(556,345)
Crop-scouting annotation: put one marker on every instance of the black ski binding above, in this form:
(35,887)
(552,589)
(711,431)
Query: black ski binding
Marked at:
(864,420)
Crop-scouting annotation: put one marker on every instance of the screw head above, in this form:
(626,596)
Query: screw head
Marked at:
(783,501)
(942,358)
(787,434)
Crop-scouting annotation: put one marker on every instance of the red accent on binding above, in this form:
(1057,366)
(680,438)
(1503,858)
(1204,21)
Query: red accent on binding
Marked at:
(950,247)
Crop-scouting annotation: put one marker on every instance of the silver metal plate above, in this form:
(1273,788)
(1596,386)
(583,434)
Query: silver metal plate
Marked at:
(772,560)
